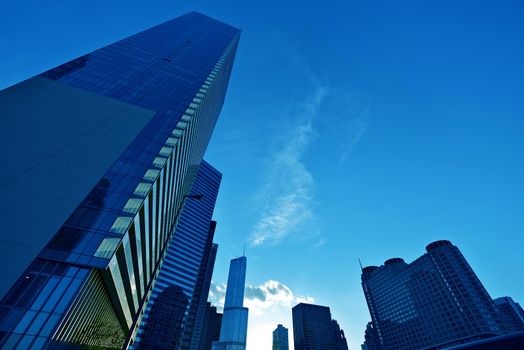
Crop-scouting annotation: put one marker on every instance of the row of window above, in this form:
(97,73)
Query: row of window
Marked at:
(196,123)
(180,251)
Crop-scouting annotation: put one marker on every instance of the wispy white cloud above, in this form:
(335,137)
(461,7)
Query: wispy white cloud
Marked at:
(320,243)
(262,299)
(286,200)
(357,127)
(353,131)
(347,120)
(287,194)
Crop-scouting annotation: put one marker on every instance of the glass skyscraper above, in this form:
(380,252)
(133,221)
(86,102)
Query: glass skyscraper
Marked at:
(190,255)
(211,328)
(233,332)
(100,154)
(313,329)
(435,301)
(280,338)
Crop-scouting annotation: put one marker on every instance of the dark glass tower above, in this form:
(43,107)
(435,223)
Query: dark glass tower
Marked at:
(190,252)
(280,338)
(340,338)
(371,341)
(435,301)
(313,329)
(100,155)
(211,329)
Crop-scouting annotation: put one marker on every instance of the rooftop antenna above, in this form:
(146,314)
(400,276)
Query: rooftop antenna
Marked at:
(244,251)
(360,263)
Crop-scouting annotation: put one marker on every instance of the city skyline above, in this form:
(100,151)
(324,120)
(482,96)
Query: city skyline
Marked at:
(431,102)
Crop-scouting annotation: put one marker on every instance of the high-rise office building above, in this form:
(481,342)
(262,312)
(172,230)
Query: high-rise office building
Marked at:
(233,331)
(435,301)
(280,338)
(511,312)
(190,251)
(313,329)
(211,328)
(99,155)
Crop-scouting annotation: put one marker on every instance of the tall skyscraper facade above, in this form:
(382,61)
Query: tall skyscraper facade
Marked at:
(280,338)
(313,329)
(189,253)
(435,301)
(233,332)
(100,155)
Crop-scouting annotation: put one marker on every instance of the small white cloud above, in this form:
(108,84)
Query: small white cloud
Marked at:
(261,299)
(217,294)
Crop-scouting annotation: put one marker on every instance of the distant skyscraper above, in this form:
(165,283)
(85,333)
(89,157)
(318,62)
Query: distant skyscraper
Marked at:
(512,313)
(98,157)
(313,329)
(211,328)
(371,341)
(340,338)
(435,301)
(233,332)
(190,252)
(280,338)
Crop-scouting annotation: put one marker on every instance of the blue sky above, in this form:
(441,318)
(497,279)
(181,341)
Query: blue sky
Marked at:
(351,129)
